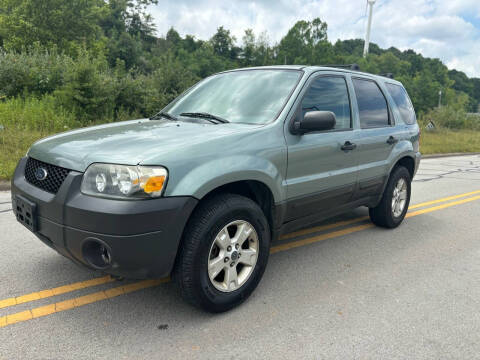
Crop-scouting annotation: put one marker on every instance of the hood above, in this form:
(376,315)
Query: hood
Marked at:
(128,142)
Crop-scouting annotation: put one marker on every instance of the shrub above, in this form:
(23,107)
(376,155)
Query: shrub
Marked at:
(35,71)
(448,117)
(93,91)
(89,90)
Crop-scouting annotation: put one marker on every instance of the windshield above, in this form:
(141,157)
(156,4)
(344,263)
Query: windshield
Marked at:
(247,96)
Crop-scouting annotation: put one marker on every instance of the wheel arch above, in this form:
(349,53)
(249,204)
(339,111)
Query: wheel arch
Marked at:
(408,162)
(255,190)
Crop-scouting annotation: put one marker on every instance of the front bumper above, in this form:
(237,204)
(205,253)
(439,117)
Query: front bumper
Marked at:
(142,235)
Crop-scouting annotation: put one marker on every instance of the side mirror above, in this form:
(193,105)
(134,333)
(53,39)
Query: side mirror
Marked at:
(315,121)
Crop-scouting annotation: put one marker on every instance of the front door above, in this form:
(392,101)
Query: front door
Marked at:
(322,167)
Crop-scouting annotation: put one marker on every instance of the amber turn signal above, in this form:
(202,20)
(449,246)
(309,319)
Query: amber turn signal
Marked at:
(153,184)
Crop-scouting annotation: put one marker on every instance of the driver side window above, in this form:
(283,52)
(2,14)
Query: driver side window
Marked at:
(329,93)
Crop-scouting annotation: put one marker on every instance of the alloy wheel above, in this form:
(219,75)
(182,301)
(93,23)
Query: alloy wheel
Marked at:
(399,198)
(233,256)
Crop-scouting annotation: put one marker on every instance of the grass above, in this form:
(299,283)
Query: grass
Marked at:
(14,145)
(22,122)
(445,141)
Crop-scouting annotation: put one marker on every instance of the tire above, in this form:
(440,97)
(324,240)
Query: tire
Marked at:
(383,215)
(201,247)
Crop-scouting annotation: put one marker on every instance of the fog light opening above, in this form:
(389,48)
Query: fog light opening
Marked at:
(96,253)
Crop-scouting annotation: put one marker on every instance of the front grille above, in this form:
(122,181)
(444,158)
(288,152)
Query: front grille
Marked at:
(55,175)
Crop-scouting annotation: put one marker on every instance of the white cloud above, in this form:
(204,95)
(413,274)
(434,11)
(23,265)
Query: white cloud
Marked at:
(449,30)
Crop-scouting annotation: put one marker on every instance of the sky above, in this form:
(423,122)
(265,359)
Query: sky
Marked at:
(448,30)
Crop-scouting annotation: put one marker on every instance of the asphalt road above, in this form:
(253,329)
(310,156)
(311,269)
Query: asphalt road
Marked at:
(345,290)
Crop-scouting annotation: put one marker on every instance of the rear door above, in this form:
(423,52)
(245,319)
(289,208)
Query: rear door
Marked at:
(376,138)
(320,175)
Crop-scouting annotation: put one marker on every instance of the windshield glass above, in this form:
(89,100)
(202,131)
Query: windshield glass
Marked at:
(247,96)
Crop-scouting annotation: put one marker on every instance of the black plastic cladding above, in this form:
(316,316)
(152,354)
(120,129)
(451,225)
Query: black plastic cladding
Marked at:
(53,181)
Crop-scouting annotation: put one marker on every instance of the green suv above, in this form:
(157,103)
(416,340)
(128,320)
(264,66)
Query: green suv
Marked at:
(202,189)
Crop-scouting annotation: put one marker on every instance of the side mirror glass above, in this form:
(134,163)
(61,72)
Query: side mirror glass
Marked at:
(315,121)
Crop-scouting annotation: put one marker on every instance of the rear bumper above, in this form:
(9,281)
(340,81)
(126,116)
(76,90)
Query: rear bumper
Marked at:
(142,236)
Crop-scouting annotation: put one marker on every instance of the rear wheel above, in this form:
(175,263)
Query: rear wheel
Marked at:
(393,207)
(224,253)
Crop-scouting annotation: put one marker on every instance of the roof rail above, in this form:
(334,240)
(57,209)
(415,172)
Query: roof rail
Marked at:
(356,67)
(388,75)
(346,66)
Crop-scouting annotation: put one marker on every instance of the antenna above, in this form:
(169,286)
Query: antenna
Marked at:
(370,4)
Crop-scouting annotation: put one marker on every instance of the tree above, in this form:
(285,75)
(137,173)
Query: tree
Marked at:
(249,48)
(223,43)
(173,37)
(130,30)
(476,94)
(264,52)
(126,48)
(64,24)
(138,21)
(128,16)
(302,42)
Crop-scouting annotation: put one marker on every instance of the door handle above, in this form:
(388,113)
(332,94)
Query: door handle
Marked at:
(348,146)
(391,140)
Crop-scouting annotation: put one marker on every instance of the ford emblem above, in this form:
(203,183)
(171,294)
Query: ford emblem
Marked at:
(41,174)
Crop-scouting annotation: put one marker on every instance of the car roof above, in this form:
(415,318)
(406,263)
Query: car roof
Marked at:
(309,69)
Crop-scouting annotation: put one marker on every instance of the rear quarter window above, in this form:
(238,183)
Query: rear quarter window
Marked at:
(372,105)
(402,102)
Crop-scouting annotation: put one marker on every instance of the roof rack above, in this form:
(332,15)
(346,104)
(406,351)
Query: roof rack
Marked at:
(355,67)
(388,75)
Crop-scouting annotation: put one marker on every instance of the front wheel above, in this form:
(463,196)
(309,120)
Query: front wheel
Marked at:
(224,253)
(393,207)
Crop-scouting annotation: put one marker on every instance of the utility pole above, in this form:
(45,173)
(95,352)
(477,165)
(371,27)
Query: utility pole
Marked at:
(370,4)
(440,99)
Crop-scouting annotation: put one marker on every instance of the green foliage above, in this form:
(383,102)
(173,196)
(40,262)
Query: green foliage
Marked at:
(129,29)
(64,24)
(249,48)
(89,89)
(43,115)
(23,121)
(449,117)
(34,71)
(305,43)
(223,44)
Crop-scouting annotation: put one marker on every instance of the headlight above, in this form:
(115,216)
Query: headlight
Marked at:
(124,182)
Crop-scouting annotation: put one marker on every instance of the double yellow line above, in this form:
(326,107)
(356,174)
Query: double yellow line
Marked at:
(354,229)
(125,289)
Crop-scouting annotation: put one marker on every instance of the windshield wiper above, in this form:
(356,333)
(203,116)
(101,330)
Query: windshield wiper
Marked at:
(207,116)
(164,115)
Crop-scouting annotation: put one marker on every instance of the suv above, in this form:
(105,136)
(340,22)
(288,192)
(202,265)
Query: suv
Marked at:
(201,189)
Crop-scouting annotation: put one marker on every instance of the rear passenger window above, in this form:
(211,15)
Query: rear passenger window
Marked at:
(372,105)
(329,93)
(403,103)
